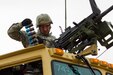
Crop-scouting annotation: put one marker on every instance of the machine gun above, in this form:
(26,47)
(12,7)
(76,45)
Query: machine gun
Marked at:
(87,32)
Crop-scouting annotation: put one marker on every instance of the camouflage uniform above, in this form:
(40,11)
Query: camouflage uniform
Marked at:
(16,33)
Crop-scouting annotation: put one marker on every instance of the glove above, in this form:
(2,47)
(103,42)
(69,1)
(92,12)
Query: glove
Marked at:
(40,40)
(26,22)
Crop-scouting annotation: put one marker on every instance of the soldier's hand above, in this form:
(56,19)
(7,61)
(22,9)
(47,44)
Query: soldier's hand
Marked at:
(40,40)
(26,22)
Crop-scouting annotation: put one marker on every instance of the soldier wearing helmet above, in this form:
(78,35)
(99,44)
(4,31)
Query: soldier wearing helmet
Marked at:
(43,23)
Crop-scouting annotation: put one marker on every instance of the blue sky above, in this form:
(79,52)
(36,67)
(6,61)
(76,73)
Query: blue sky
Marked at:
(13,11)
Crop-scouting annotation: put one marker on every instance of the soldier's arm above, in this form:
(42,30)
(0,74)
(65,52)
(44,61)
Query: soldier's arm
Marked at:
(15,31)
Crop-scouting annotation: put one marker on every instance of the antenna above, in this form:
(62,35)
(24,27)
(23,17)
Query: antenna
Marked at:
(65,14)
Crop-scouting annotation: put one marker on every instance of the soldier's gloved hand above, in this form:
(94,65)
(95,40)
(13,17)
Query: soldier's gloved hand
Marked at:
(40,40)
(26,22)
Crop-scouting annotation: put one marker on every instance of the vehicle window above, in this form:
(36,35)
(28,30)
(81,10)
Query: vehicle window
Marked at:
(62,68)
(32,68)
(108,73)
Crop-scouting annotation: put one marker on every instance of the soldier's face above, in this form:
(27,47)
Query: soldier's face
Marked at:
(45,29)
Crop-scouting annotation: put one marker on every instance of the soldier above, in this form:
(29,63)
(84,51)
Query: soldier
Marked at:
(43,23)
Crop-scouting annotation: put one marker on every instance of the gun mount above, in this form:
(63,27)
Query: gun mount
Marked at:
(87,32)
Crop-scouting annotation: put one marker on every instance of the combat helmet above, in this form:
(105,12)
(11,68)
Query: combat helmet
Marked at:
(43,19)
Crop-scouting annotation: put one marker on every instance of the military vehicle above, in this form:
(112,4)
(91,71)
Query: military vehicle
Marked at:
(69,55)
(51,61)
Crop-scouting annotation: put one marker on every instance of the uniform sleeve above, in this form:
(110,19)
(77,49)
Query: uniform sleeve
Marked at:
(15,31)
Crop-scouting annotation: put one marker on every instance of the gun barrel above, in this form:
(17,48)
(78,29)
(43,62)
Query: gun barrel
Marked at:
(104,13)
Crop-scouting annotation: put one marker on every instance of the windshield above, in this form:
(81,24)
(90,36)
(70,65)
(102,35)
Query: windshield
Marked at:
(62,68)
